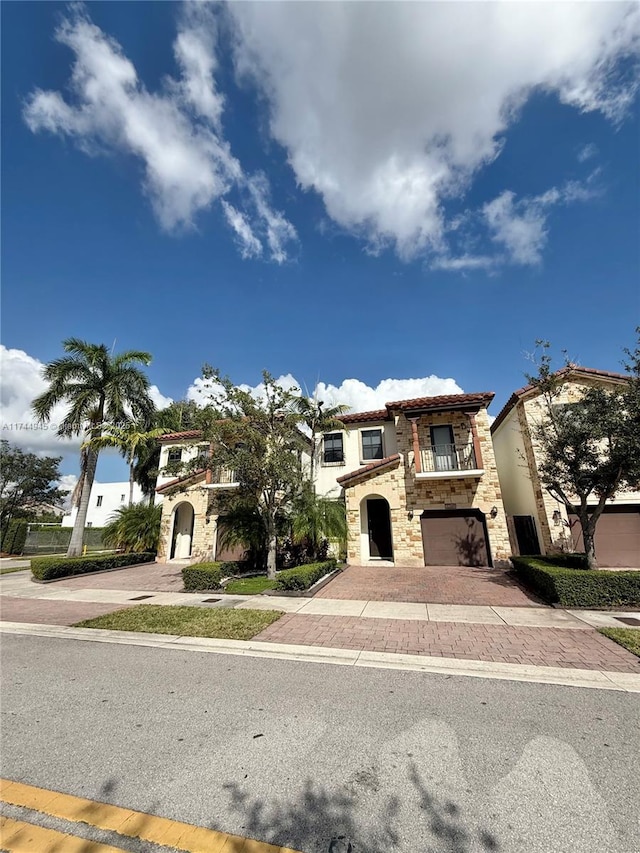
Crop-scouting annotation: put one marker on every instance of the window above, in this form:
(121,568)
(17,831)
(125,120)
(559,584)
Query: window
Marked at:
(372,444)
(443,448)
(99,501)
(121,499)
(89,523)
(333,450)
(175,454)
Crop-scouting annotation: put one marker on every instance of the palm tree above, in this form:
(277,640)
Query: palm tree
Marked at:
(319,419)
(99,387)
(129,440)
(315,519)
(134,529)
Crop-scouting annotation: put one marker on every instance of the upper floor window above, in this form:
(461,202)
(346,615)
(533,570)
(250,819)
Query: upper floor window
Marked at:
(372,444)
(121,499)
(175,454)
(333,448)
(99,501)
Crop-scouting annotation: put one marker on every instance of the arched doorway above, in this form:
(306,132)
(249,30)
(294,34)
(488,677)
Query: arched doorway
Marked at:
(375,516)
(182,537)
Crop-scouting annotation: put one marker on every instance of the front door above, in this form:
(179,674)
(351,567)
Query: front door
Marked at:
(379,527)
(444,452)
(526,534)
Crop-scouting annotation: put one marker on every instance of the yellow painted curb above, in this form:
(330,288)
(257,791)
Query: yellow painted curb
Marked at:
(19,837)
(148,827)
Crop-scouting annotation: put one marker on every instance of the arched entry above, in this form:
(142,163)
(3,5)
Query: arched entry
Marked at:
(182,537)
(375,519)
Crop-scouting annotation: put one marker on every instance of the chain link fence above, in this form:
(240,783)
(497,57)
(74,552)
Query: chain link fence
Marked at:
(53,539)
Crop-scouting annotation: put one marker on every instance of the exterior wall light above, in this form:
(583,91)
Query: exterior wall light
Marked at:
(556,517)
(494,511)
(410,515)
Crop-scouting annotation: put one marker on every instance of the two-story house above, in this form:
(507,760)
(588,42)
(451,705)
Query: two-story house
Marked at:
(420,483)
(538,522)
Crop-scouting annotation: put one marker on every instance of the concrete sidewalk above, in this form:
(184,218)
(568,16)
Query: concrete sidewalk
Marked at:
(592,678)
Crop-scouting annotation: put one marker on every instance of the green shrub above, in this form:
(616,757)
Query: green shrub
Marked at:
(15,536)
(202,576)
(303,577)
(574,560)
(49,568)
(578,587)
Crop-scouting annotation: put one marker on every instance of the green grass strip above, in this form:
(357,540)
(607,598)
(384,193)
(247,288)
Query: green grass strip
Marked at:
(221,623)
(627,637)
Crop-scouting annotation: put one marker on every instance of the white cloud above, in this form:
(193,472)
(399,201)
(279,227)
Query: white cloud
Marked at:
(520,226)
(249,244)
(463,263)
(359,396)
(388,109)
(158,398)
(67,483)
(587,152)
(22,382)
(175,133)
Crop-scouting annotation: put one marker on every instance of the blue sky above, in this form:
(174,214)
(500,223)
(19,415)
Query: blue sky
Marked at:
(414,195)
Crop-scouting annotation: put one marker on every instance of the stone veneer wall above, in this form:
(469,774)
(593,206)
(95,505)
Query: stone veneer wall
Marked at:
(404,493)
(203,542)
(530,413)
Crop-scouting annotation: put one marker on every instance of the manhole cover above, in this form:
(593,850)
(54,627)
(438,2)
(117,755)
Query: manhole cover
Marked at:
(210,600)
(140,597)
(628,620)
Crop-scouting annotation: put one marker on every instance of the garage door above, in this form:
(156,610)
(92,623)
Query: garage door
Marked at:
(226,551)
(454,539)
(617,537)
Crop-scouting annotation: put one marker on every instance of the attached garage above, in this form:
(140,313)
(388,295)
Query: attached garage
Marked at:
(455,538)
(617,538)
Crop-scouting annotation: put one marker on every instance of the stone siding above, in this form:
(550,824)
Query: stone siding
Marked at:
(203,541)
(408,496)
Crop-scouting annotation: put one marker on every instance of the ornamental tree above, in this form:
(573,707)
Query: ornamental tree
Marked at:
(589,449)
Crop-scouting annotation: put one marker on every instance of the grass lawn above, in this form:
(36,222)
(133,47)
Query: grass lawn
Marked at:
(225,624)
(627,637)
(7,570)
(249,586)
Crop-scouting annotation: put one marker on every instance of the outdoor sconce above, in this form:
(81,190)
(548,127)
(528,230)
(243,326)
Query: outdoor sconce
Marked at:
(494,511)
(410,515)
(556,517)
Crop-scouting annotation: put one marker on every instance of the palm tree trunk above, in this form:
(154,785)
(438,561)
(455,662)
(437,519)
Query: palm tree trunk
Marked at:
(131,481)
(77,536)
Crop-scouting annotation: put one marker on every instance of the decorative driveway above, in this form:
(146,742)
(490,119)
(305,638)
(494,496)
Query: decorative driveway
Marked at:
(429,584)
(157,577)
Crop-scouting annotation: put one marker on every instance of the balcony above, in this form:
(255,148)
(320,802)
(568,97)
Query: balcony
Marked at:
(448,460)
(222,478)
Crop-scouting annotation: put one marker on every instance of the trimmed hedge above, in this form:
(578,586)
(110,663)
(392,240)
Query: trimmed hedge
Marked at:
(578,587)
(15,536)
(574,560)
(49,568)
(202,576)
(303,577)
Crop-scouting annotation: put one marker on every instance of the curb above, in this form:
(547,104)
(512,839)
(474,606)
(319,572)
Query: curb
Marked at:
(625,682)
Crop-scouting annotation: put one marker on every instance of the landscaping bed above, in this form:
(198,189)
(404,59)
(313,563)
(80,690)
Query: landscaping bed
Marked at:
(202,577)
(627,637)
(220,623)
(52,568)
(577,587)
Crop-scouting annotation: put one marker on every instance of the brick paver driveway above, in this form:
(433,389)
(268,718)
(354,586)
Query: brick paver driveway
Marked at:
(429,585)
(581,649)
(157,577)
(49,612)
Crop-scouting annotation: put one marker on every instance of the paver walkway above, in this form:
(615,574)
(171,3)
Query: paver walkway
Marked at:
(52,612)
(583,649)
(433,584)
(159,577)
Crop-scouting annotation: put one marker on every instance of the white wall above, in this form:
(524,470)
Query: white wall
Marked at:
(513,470)
(327,473)
(114,495)
(189,451)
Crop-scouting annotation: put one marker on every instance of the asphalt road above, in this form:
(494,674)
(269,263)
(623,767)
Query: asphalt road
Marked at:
(298,753)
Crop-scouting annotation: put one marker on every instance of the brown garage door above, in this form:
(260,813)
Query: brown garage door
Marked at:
(225,551)
(617,537)
(454,539)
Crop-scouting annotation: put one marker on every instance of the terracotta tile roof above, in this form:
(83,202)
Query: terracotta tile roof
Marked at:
(569,370)
(360,417)
(181,436)
(185,477)
(444,401)
(367,469)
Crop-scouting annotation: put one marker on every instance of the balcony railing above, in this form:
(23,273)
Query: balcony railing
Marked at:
(441,458)
(223,477)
